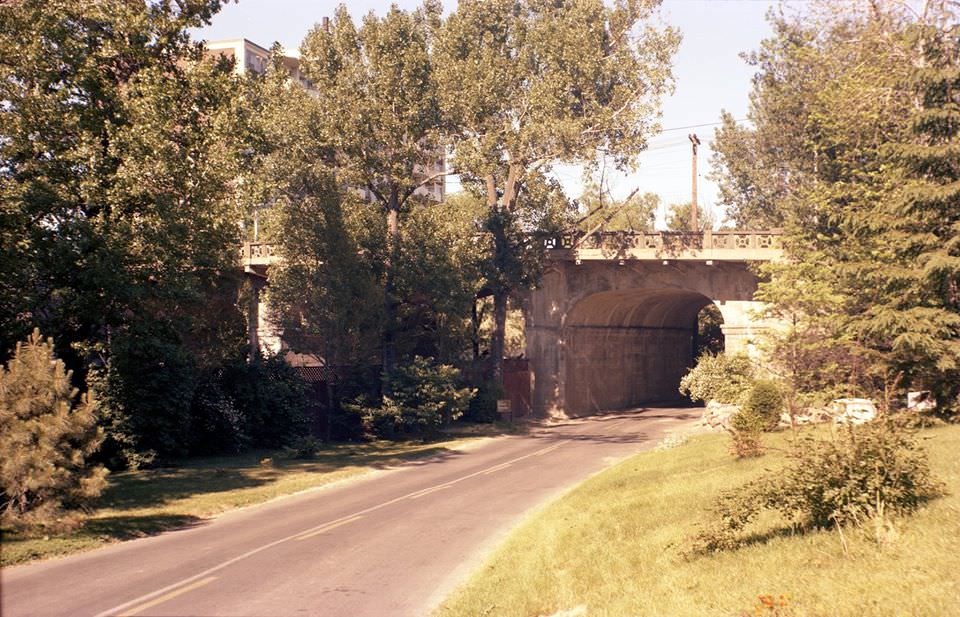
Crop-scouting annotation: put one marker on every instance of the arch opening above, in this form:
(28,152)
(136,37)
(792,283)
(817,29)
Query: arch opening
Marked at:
(629,347)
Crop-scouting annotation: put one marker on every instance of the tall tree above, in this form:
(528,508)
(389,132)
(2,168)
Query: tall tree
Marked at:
(529,83)
(917,318)
(381,116)
(116,164)
(863,188)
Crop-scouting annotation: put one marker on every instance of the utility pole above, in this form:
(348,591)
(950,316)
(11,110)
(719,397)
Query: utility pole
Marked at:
(694,223)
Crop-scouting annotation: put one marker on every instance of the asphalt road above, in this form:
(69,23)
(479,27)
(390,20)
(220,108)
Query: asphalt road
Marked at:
(391,544)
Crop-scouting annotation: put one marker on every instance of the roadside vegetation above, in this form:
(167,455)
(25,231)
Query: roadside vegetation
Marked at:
(623,544)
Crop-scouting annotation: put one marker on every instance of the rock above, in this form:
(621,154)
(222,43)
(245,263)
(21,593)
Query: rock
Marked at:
(853,410)
(717,416)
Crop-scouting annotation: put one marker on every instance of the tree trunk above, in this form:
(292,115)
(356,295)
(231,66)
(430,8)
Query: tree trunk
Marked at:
(502,285)
(389,359)
(499,333)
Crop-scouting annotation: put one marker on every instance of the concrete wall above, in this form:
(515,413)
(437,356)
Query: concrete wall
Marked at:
(605,336)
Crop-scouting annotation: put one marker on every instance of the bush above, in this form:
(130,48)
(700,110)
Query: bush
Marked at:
(304,448)
(765,401)
(745,429)
(722,378)
(46,436)
(483,404)
(146,392)
(218,426)
(856,474)
(424,397)
(272,399)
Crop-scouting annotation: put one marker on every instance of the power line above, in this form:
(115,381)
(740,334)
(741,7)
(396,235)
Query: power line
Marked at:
(696,126)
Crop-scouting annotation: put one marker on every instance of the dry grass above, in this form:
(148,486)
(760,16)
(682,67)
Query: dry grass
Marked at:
(614,546)
(145,502)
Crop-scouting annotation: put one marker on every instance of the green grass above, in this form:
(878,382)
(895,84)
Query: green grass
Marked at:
(146,502)
(614,546)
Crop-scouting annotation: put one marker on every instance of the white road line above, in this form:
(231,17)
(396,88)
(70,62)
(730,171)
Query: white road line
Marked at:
(117,610)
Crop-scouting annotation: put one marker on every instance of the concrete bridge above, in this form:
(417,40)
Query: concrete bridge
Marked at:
(613,323)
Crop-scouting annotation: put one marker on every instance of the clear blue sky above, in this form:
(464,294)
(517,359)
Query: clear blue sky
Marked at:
(710,75)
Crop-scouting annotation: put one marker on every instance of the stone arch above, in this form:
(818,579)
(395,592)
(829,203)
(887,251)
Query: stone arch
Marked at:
(604,336)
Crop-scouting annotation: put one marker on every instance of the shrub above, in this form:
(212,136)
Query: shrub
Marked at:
(306,447)
(856,474)
(218,426)
(765,401)
(483,404)
(424,397)
(146,392)
(745,429)
(46,436)
(272,399)
(721,377)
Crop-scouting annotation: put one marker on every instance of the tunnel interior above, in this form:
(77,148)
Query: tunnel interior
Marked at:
(629,347)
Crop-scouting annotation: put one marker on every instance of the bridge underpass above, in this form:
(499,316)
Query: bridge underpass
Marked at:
(624,347)
(613,324)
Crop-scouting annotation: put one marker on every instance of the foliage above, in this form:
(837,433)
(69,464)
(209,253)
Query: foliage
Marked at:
(217,424)
(600,211)
(722,377)
(47,435)
(745,429)
(146,390)
(425,398)
(678,217)
(849,477)
(439,275)
(381,117)
(117,220)
(271,398)
(527,84)
(765,401)
(853,152)
(483,403)
(709,331)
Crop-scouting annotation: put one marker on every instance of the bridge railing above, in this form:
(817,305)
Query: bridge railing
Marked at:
(668,243)
(257,254)
(730,244)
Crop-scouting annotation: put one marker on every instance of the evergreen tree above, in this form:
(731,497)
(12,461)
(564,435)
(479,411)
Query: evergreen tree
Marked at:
(917,319)
(47,435)
(866,191)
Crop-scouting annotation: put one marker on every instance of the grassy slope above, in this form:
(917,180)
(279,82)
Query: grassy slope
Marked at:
(145,502)
(612,547)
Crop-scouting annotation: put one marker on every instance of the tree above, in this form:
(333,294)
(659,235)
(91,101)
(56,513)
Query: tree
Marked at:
(117,161)
(527,84)
(47,435)
(917,318)
(864,192)
(678,217)
(601,211)
(381,117)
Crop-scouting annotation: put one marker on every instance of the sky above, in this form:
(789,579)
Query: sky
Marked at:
(710,77)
